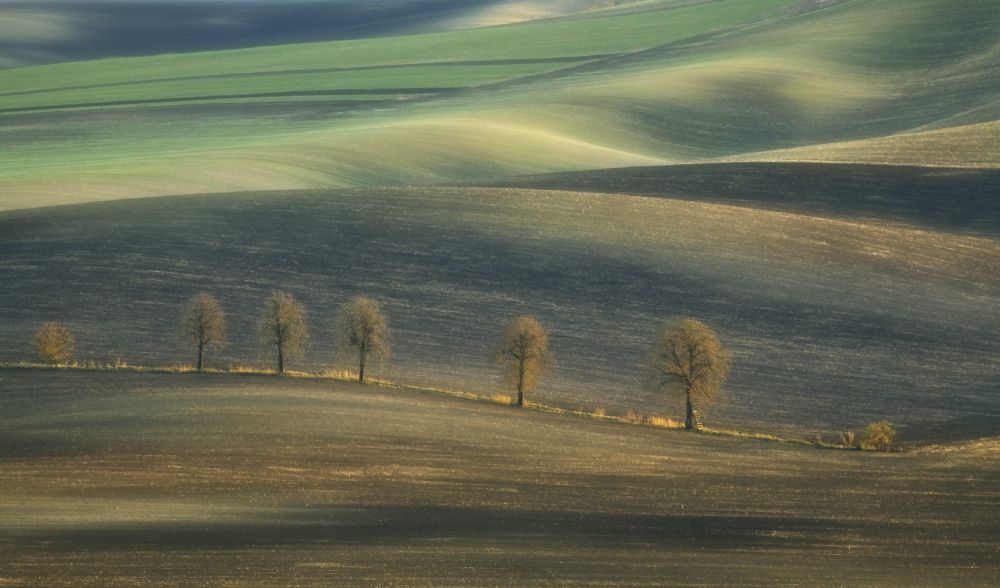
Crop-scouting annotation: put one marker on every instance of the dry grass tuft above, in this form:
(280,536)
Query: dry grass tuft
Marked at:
(248,369)
(501,399)
(664,422)
(599,413)
(758,436)
(338,375)
(181,368)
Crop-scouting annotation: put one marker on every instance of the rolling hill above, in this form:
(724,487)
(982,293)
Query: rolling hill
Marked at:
(812,265)
(121,479)
(834,322)
(953,200)
(816,179)
(901,82)
(847,291)
(34,32)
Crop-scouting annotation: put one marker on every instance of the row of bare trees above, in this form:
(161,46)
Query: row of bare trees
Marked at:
(687,355)
(361,328)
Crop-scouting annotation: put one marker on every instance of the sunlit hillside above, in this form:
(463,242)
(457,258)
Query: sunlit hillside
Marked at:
(36,32)
(644,84)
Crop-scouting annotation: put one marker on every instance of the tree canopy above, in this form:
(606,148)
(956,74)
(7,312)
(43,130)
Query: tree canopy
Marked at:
(54,343)
(363,328)
(204,324)
(523,354)
(284,326)
(688,356)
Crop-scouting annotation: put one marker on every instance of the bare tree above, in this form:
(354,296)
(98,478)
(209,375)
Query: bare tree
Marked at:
(523,354)
(204,324)
(362,328)
(284,326)
(54,343)
(688,356)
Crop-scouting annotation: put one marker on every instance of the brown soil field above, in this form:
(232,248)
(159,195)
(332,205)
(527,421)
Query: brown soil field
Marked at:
(118,479)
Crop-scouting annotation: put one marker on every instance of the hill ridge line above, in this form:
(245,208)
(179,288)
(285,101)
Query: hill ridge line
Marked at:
(281,72)
(871,223)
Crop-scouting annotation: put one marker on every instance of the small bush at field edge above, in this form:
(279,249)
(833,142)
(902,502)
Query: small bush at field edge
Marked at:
(878,436)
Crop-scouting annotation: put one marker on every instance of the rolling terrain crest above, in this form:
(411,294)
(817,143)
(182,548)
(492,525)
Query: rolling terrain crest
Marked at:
(738,80)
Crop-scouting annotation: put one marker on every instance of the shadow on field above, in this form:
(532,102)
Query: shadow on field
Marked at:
(839,324)
(105,28)
(958,200)
(16,446)
(380,525)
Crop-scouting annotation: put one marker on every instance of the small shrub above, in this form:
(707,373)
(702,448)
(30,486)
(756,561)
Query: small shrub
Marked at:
(879,436)
(54,343)
(847,438)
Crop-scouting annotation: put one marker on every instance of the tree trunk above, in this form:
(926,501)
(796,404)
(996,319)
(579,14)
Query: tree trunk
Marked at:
(689,417)
(201,351)
(520,384)
(361,367)
(281,361)
(692,419)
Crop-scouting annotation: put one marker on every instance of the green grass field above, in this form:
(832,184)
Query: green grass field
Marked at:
(570,38)
(119,479)
(649,84)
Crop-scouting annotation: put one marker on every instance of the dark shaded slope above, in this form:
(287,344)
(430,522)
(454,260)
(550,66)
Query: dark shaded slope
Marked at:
(94,29)
(957,200)
(833,324)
